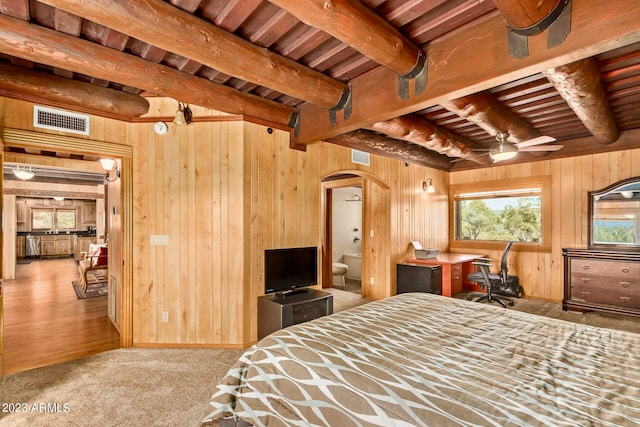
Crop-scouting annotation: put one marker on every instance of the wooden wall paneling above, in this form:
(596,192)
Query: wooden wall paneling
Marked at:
(251,236)
(215,173)
(238,216)
(225,223)
(9,236)
(143,164)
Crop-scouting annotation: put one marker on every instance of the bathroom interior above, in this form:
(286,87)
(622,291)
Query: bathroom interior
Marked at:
(347,238)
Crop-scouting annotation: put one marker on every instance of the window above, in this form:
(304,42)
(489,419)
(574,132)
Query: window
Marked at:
(42,219)
(66,219)
(49,219)
(486,215)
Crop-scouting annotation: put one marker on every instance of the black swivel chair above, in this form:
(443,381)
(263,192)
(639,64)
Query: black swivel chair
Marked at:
(501,286)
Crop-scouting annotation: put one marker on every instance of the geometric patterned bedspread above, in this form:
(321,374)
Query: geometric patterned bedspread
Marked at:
(427,360)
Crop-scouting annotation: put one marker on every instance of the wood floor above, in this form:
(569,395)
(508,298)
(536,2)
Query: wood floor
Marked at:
(44,322)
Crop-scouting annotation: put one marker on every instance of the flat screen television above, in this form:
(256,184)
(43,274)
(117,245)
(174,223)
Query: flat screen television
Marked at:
(289,269)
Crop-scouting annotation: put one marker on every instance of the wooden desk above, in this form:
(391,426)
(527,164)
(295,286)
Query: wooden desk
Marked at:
(455,269)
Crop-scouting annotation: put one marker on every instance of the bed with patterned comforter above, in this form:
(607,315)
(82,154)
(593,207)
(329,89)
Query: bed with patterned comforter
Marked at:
(427,360)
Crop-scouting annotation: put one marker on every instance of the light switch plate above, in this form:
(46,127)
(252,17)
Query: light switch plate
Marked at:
(159,239)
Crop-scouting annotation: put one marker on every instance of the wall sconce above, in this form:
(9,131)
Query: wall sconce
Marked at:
(427,185)
(107,165)
(183,115)
(23,173)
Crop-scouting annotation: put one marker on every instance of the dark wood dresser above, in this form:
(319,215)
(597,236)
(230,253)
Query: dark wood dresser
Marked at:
(601,280)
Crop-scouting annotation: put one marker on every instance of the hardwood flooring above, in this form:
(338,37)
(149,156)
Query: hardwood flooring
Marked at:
(44,322)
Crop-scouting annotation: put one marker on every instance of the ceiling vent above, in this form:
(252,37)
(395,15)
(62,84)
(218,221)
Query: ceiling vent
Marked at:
(360,157)
(64,121)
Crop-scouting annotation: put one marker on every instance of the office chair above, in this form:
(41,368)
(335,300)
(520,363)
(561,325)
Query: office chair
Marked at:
(498,285)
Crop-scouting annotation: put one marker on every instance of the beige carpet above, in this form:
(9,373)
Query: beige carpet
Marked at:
(164,387)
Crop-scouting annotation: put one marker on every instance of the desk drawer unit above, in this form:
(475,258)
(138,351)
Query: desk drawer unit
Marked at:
(611,283)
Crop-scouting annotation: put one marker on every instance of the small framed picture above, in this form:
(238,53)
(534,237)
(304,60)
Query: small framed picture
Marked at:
(53,202)
(39,202)
(68,202)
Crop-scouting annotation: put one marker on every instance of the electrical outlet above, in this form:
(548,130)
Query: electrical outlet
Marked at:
(372,233)
(165,316)
(372,281)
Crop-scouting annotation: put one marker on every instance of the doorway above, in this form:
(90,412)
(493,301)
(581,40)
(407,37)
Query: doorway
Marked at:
(122,243)
(346,240)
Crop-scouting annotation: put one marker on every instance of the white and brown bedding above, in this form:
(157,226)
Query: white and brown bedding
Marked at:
(422,359)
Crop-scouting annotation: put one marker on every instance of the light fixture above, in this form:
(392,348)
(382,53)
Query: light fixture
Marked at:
(58,198)
(23,173)
(427,185)
(503,150)
(107,165)
(627,194)
(183,115)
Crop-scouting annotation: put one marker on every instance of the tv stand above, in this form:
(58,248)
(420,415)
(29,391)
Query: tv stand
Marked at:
(293,292)
(277,311)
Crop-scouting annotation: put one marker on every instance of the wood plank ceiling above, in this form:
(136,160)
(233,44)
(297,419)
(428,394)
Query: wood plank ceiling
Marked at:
(427,81)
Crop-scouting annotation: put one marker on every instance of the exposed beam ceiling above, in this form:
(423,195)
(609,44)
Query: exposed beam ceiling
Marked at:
(38,44)
(269,60)
(374,94)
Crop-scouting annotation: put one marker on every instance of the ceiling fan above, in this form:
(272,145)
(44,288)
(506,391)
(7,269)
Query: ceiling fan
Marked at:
(505,150)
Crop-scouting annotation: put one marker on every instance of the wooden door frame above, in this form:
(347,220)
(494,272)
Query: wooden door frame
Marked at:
(67,144)
(348,178)
(327,209)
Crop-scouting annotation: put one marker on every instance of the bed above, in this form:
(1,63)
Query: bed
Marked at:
(422,359)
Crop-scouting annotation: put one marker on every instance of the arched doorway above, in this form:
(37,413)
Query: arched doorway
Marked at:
(376,236)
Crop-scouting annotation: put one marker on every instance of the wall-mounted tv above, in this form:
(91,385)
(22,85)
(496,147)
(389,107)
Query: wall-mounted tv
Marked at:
(288,269)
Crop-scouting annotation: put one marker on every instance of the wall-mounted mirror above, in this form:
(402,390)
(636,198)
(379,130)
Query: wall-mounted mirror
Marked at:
(614,216)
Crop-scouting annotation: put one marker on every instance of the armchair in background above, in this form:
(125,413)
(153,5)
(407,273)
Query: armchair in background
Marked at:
(96,259)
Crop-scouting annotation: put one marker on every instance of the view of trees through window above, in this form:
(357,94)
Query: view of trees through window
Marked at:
(499,218)
(613,230)
(43,219)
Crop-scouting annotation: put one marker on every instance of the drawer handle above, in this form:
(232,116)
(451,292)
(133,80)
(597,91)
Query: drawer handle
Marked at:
(625,284)
(586,294)
(585,267)
(625,299)
(625,269)
(585,280)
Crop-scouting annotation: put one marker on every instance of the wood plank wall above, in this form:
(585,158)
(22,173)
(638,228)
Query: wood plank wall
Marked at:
(541,274)
(224,191)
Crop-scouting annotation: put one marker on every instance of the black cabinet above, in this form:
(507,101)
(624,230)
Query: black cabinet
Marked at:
(279,311)
(419,278)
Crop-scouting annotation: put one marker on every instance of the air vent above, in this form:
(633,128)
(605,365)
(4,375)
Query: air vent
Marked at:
(64,121)
(360,157)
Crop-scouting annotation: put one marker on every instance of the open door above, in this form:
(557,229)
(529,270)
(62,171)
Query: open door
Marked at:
(1,257)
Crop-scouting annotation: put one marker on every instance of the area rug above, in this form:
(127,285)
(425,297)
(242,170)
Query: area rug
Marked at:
(94,289)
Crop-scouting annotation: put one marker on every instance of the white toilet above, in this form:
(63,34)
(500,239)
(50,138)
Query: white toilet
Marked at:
(338,271)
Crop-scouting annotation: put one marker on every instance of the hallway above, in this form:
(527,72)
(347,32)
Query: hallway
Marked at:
(44,322)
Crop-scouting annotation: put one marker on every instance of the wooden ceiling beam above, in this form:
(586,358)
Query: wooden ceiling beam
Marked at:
(378,144)
(20,39)
(421,132)
(174,30)
(485,111)
(579,84)
(482,43)
(359,27)
(525,13)
(51,90)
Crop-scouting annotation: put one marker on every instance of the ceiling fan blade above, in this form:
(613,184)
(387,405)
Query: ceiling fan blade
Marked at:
(535,141)
(543,148)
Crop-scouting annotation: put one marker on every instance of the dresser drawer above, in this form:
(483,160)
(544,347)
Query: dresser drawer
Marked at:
(625,284)
(612,269)
(605,296)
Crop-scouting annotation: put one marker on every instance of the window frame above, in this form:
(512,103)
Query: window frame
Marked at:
(54,218)
(512,184)
(56,222)
(46,210)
